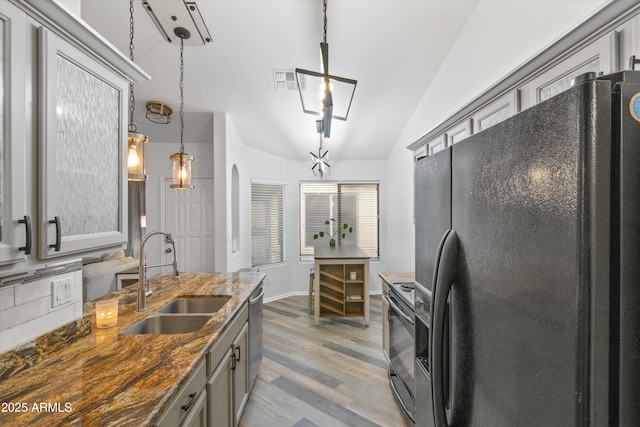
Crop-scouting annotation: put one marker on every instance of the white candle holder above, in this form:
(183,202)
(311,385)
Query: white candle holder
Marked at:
(107,313)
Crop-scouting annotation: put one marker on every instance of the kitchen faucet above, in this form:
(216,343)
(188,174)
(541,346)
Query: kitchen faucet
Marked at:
(144,291)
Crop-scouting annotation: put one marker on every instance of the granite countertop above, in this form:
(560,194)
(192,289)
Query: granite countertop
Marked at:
(104,378)
(390,278)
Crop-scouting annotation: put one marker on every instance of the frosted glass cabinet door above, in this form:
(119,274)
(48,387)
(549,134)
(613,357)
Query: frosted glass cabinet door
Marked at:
(82,123)
(15,222)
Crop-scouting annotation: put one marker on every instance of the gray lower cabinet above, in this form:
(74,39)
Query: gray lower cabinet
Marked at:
(197,416)
(228,374)
(240,372)
(188,408)
(219,392)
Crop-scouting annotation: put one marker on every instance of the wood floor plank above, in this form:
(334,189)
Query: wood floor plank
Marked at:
(280,311)
(325,405)
(304,423)
(377,361)
(329,375)
(293,364)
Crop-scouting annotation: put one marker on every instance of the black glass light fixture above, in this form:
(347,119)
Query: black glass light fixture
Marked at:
(323,94)
(181,161)
(136,140)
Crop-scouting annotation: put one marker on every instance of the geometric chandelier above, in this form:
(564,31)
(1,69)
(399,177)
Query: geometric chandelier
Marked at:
(322,94)
(321,161)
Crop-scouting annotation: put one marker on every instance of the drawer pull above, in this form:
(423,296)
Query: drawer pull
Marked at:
(192,398)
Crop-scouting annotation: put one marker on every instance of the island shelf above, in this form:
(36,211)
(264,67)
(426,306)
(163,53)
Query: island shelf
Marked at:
(341,282)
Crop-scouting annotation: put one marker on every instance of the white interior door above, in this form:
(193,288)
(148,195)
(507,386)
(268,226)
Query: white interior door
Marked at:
(189,218)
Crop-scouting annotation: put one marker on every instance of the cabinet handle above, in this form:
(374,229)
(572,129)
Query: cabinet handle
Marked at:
(192,398)
(238,357)
(233,360)
(56,221)
(27,246)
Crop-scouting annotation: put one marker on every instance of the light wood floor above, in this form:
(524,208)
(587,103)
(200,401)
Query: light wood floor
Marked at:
(329,375)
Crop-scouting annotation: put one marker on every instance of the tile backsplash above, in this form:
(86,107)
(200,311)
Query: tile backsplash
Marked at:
(36,306)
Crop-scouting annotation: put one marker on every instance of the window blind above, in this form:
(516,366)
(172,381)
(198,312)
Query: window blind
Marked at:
(267,224)
(354,204)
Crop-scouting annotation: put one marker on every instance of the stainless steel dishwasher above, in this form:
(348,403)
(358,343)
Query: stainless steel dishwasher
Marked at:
(255,328)
(255,334)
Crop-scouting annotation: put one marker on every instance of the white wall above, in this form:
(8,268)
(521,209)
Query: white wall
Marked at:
(256,164)
(158,168)
(291,277)
(499,37)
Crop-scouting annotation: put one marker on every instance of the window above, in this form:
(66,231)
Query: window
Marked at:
(355,204)
(267,224)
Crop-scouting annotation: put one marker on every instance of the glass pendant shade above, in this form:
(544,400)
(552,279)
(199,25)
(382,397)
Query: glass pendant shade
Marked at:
(135,157)
(181,171)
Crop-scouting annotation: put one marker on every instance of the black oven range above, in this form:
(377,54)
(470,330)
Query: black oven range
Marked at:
(402,345)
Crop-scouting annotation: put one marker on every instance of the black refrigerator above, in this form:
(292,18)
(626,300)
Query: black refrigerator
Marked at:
(527,238)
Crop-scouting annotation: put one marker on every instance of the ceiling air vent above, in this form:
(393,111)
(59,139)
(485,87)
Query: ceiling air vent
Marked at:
(284,79)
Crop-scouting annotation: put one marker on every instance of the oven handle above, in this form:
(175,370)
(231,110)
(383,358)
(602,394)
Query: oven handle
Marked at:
(397,393)
(397,309)
(444,275)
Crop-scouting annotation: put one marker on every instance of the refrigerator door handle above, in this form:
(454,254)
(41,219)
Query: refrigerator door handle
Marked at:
(444,274)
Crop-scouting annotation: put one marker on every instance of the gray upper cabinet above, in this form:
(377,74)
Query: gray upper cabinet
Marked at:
(459,132)
(600,56)
(437,144)
(81,150)
(63,135)
(495,112)
(15,221)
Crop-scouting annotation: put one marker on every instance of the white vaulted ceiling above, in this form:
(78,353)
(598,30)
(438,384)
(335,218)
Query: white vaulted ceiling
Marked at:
(394,48)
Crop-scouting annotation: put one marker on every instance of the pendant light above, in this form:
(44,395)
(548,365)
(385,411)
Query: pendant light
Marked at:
(181,161)
(136,140)
(321,161)
(336,92)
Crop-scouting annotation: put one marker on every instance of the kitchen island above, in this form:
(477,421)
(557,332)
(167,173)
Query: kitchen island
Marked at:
(83,375)
(341,282)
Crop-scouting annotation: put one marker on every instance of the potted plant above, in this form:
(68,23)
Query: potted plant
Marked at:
(330,223)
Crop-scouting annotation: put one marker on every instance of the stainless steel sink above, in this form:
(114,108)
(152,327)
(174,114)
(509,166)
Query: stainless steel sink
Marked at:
(168,324)
(195,305)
